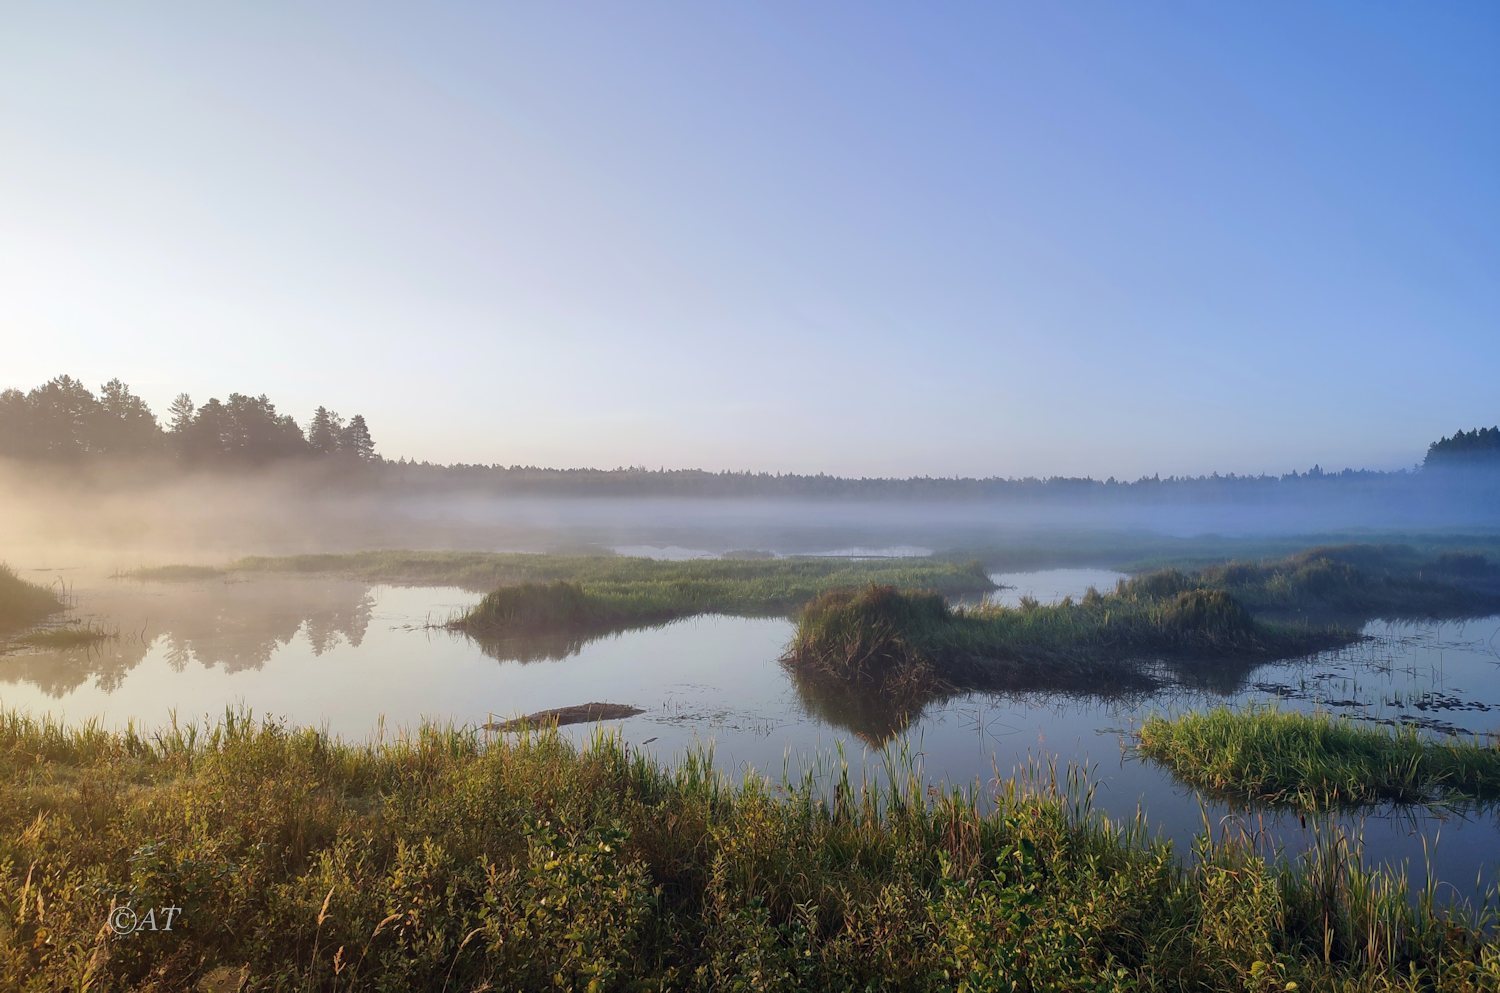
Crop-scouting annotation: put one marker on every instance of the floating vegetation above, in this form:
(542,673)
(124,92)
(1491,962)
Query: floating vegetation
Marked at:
(438,860)
(1315,761)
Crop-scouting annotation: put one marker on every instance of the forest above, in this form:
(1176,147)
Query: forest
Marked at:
(63,422)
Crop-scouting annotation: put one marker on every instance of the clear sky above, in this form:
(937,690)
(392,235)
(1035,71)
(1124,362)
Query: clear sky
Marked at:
(873,238)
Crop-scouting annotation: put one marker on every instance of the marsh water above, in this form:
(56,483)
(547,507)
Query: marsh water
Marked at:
(366,660)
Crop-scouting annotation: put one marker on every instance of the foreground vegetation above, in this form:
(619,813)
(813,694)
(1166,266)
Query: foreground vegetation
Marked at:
(23,604)
(440,862)
(1318,761)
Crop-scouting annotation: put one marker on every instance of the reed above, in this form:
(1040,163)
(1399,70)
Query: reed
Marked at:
(23,603)
(446,859)
(1314,761)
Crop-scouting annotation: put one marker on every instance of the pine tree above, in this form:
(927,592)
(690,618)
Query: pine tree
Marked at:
(180,414)
(355,440)
(323,432)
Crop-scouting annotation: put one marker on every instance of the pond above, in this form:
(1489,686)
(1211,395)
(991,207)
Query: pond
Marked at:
(367,660)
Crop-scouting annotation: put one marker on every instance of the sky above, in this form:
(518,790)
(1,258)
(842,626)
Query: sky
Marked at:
(868,239)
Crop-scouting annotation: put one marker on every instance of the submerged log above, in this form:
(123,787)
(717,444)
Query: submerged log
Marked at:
(580,713)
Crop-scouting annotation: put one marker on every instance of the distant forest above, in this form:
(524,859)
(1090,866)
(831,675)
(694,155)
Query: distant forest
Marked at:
(62,422)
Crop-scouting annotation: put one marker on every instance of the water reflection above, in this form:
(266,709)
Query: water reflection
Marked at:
(345,656)
(231,626)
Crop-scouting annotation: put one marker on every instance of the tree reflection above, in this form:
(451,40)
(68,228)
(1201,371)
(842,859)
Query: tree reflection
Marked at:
(231,626)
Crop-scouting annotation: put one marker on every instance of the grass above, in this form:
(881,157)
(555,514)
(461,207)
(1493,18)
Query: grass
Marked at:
(67,636)
(443,861)
(1318,761)
(22,603)
(1392,581)
(172,573)
(912,646)
(538,594)
(745,580)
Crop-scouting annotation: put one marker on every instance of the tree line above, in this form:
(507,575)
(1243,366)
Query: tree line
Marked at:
(1480,447)
(64,421)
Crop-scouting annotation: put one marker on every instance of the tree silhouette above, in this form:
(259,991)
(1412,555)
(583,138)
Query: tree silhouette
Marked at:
(127,425)
(64,418)
(1480,447)
(355,440)
(323,433)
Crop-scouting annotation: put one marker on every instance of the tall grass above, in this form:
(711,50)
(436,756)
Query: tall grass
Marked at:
(765,581)
(1359,580)
(442,861)
(23,603)
(640,591)
(911,645)
(1316,761)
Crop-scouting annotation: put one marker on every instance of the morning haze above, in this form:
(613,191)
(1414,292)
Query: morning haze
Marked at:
(749,497)
(1051,242)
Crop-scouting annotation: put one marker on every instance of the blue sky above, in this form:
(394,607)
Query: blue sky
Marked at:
(860,238)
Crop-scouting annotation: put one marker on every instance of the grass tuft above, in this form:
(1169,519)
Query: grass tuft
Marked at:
(1318,761)
(23,603)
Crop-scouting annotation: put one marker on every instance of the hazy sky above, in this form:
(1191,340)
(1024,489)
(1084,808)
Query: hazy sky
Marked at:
(863,238)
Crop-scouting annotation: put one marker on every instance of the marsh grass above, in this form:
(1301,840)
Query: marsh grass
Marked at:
(1313,761)
(68,636)
(172,573)
(635,592)
(24,603)
(743,580)
(913,646)
(1356,581)
(441,860)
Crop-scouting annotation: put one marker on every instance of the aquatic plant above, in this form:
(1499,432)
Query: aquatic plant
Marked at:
(1316,760)
(914,645)
(67,636)
(23,603)
(446,859)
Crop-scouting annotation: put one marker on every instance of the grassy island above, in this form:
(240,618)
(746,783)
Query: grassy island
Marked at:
(908,647)
(1316,761)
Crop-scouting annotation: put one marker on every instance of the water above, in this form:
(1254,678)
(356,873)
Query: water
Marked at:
(362,660)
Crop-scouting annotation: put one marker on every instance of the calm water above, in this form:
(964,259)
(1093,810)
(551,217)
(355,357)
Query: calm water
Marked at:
(362,660)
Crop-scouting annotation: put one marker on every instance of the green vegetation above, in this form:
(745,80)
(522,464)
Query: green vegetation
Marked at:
(441,862)
(534,594)
(23,603)
(642,591)
(1356,581)
(914,646)
(909,648)
(1316,761)
(727,585)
